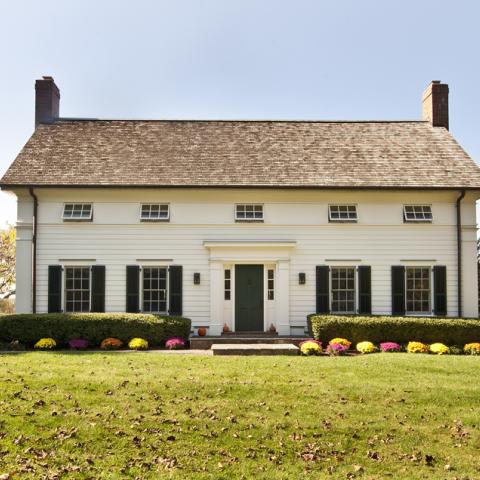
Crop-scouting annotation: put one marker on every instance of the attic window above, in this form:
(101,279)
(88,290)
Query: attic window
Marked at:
(342,213)
(155,212)
(417,213)
(79,212)
(248,213)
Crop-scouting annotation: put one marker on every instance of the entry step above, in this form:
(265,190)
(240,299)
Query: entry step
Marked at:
(204,343)
(254,349)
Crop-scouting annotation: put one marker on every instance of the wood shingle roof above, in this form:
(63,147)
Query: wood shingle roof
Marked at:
(295,154)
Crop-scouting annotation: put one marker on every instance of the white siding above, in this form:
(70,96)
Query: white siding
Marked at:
(117,238)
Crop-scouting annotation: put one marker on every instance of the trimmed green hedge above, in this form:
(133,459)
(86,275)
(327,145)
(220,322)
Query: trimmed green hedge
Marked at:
(94,327)
(376,329)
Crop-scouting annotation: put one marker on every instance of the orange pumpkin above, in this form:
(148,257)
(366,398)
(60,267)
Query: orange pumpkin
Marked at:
(202,331)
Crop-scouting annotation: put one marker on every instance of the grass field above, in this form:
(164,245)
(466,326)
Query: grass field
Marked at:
(151,415)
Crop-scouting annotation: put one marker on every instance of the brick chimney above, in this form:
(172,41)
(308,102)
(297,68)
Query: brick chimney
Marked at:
(435,104)
(47,101)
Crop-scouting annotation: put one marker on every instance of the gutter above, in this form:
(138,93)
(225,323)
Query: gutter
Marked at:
(459,252)
(34,250)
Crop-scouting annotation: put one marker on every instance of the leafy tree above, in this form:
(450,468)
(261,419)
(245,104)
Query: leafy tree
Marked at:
(7,262)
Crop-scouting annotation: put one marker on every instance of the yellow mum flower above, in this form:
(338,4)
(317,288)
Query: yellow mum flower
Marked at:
(341,341)
(439,349)
(417,347)
(472,348)
(366,347)
(310,348)
(138,344)
(45,344)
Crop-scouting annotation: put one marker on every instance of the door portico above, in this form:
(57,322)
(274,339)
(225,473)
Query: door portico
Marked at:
(273,256)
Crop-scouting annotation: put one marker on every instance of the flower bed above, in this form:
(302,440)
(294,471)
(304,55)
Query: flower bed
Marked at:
(92,327)
(376,329)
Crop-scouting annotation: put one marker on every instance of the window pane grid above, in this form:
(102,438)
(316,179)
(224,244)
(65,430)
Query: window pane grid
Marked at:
(270,285)
(77,211)
(343,290)
(77,289)
(155,211)
(249,212)
(418,290)
(417,213)
(342,213)
(228,284)
(155,289)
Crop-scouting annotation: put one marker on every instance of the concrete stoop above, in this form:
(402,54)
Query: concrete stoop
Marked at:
(254,349)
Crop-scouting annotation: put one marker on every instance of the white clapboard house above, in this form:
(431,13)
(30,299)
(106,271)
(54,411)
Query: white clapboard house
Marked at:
(245,223)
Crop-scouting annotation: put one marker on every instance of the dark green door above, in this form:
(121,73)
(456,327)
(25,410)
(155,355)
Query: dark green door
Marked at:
(249,298)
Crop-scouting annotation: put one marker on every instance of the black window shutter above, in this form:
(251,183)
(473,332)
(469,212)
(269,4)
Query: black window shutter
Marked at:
(175,289)
(133,288)
(398,290)
(98,289)
(54,288)
(440,290)
(364,289)
(323,288)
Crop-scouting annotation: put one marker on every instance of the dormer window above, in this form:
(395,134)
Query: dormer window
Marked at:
(77,212)
(155,212)
(247,212)
(417,213)
(342,213)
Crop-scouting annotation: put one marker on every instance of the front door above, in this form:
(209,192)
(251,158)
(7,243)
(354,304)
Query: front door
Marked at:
(249,298)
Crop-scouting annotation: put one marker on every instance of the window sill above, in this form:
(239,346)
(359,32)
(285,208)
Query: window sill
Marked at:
(77,220)
(249,221)
(343,221)
(154,220)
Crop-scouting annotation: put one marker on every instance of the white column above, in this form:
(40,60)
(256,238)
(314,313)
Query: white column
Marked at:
(216,297)
(469,273)
(23,268)
(282,298)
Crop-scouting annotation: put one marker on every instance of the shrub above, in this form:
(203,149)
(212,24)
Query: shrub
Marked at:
(417,347)
(310,347)
(94,327)
(336,349)
(138,344)
(111,344)
(439,349)
(472,348)
(376,329)
(175,343)
(340,341)
(78,344)
(390,347)
(7,306)
(366,347)
(45,344)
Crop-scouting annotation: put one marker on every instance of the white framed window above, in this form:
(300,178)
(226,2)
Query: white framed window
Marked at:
(227,284)
(343,289)
(249,212)
(418,290)
(342,213)
(154,289)
(77,212)
(417,213)
(270,284)
(155,212)
(77,289)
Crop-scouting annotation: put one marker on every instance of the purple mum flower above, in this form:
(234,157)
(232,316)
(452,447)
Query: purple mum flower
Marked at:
(336,349)
(78,344)
(175,343)
(390,347)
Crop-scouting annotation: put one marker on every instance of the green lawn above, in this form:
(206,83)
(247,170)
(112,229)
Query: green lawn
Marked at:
(151,415)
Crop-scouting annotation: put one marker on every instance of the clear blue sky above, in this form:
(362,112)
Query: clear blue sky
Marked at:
(237,59)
